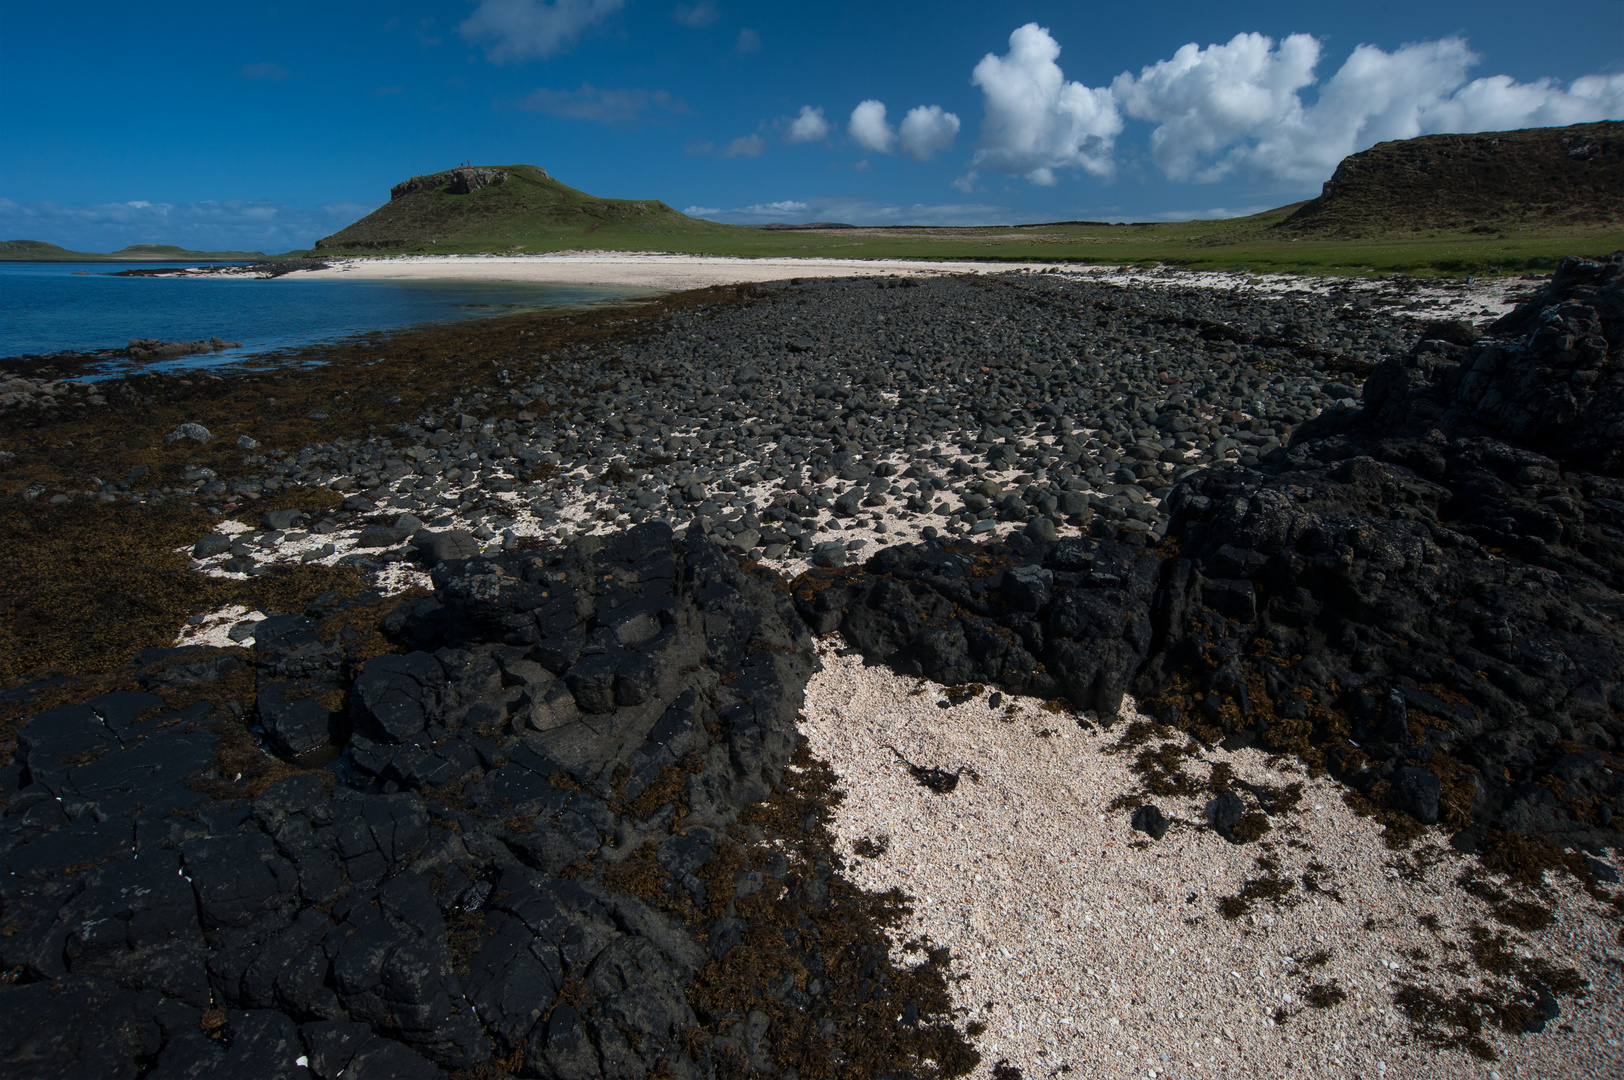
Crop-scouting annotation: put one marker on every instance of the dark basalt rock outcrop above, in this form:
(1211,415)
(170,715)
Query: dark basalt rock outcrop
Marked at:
(459,181)
(1429,596)
(560,841)
(1426,597)
(1066,619)
(1550,381)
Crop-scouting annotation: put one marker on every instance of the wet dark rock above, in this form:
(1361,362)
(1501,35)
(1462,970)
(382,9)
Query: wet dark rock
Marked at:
(395,696)
(464,884)
(211,545)
(1069,619)
(1149,820)
(300,717)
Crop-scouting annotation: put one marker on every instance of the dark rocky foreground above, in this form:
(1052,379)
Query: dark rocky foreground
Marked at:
(553,819)
(562,842)
(1426,597)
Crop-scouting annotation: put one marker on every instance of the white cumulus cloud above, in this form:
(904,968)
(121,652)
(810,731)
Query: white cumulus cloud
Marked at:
(1239,108)
(773,209)
(810,126)
(860,210)
(1205,99)
(926,130)
(702,211)
(518,30)
(868,128)
(1036,121)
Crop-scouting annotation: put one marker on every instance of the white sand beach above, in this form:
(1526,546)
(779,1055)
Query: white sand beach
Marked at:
(1475,299)
(642,269)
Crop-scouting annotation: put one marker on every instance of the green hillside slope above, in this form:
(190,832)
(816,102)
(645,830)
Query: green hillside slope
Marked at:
(1486,183)
(519,209)
(506,208)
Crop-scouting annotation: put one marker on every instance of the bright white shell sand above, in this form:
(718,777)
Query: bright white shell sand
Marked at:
(1484,297)
(1090,951)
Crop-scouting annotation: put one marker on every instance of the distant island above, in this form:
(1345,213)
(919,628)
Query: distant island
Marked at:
(40,251)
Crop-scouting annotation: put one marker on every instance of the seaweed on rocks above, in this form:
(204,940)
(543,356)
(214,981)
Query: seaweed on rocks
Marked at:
(1425,596)
(570,831)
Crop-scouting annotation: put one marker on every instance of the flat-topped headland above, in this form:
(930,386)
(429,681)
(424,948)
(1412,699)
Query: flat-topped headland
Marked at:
(441,700)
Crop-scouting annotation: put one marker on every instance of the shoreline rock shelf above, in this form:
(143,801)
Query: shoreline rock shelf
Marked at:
(563,822)
(555,817)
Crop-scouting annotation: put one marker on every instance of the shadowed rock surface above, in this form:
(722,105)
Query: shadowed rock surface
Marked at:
(559,831)
(1426,597)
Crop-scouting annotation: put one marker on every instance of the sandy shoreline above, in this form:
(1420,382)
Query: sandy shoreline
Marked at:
(1087,949)
(675,272)
(642,269)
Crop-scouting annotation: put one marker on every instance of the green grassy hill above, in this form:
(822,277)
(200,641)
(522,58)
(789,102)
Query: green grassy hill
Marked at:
(513,208)
(518,209)
(40,251)
(1496,181)
(1442,204)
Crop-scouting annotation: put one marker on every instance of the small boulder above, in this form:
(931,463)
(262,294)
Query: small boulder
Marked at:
(210,546)
(195,432)
(831,555)
(1149,820)
(379,536)
(437,547)
(282,520)
(1416,791)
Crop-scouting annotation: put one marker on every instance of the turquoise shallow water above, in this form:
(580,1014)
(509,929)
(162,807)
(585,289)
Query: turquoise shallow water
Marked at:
(53,307)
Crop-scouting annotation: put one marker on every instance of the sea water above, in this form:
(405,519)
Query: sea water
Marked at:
(56,307)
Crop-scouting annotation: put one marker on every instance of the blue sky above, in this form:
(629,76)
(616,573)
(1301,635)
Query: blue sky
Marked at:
(267,125)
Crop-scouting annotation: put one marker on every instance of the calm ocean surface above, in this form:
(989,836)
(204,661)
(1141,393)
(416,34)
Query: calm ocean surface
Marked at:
(48,307)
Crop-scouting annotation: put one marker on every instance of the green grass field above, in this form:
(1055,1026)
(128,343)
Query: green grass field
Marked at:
(533,213)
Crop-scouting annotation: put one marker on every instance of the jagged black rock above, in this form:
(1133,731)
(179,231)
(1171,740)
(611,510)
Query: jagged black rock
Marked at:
(1426,596)
(525,852)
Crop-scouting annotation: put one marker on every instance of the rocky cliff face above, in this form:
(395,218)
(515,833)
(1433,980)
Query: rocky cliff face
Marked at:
(459,181)
(1489,181)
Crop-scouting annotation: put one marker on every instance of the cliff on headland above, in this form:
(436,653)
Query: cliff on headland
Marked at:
(1489,182)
